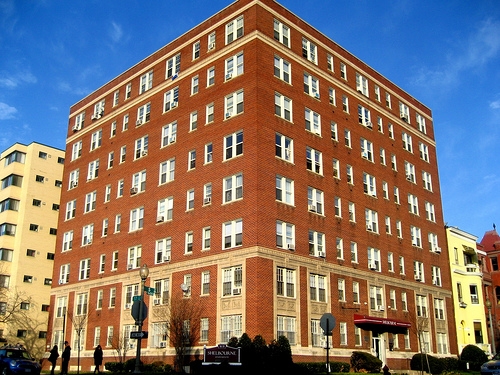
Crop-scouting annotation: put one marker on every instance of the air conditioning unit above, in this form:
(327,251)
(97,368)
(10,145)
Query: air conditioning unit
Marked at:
(437,250)
(408,177)
(462,305)
(404,118)
(172,139)
(418,278)
(144,153)
(166,258)
(321,254)
(76,128)
(414,244)
(138,122)
(157,301)
(372,266)
(62,281)
(174,104)
(236,291)
(229,76)
(434,282)
(159,219)
(288,152)
(73,184)
(229,114)
(381,308)
(290,246)
(369,228)
(130,266)
(211,46)
(95,116)
(316,95)
(312,208)
(369,125)
(207,200)
(128,306)
(133,190)
(163,344)
(364,155)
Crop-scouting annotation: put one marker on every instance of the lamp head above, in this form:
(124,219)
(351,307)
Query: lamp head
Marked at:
(144,272)
(488,304)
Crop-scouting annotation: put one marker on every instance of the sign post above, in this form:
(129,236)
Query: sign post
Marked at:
(327,322)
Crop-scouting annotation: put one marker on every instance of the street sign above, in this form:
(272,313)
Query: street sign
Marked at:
(136,306)
(327,322)
(136,298)
(149,291)
(139,334)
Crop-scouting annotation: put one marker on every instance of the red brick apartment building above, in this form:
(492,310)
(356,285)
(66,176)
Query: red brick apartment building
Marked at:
(275,177)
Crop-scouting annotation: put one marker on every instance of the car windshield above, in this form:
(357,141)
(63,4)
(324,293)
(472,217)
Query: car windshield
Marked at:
(496,357)
(18,354)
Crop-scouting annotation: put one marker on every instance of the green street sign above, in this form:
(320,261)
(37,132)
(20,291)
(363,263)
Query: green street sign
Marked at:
(136,298)
(149,291)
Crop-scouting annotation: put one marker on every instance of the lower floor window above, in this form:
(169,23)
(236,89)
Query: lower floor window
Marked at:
(286,327)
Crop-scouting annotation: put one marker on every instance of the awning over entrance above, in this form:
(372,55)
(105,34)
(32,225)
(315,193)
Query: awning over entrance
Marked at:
(373,323)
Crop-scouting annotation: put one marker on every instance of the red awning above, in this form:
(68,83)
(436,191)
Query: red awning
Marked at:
(373,323)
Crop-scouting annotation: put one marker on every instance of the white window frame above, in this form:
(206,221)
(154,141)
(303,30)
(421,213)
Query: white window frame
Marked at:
(232,234)
(234,29)
(283,106)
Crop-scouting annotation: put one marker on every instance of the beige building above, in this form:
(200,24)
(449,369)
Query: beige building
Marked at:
(466,276)
(30,192)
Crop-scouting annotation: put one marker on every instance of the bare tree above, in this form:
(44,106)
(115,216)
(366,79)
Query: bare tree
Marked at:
(120,344)
(31,325)
(420,324)
(79,322)
(180,319)
(11,301)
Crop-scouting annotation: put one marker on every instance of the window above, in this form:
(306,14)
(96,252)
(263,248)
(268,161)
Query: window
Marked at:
(366,150)
(6,254)
(311,85)
(317,287)
(167,171)
(165,209)
(390,262)
(81,303)
(439,309)
(163,250)
(128,91)
(233,145)
(190,200)
(369,185)
(141,147)
(12,180)
(205,283)
(234,66)
(193,121)
(410,172)
(283,106)
(138,182)
(233,188)
(354,252)
(90,201)
(313,121)
(436,278)
(361,84)
(207,193)
(355,292)
(188,248)
(314,160)
(418,271)
(233,104)
(79,121)
(96,140)
(337,204)
(416,236)
(105,225)
(84,272)
(39,178)
(349,174)
(430,213)
(232,281)
(9,204)
(407,142)
(233,233)
(102,263)
(191,160)
(234,29)
(343,71)
(169,134)
(396,195)
(195,85)
(282,69)
(134,257)
(67,241)
(7,229)
(211,41)
(315,200)
(374,261)
(37,203)
(317,244)
(309,51)
(385,190)
(125,122)
(231,326)
(404,112)
(76,150)
(173,67)
(421,302)
(196,50)
(421,123)
(119,190)
(413,204)
(123,154)
(352,212)
(336,168)
(204,330)
(143,114)
(107,193)
(284,190)
(285,282)
(136,219)
(116,98)
(364,117)
(93,170)
(427,181)
(208,153)
(284,147)
(210,76)
(207,237)
(285,235)
(424,151)
(111,157)
(399,230)
(282,33)
(329,62)
(371,218)
(377,93)
(388,229)
(347,138)
(376,298)
(87,234)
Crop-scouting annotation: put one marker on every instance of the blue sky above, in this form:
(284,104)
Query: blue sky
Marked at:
(444,53)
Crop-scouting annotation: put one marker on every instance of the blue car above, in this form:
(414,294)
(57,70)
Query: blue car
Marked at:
(16,360)
(492,367)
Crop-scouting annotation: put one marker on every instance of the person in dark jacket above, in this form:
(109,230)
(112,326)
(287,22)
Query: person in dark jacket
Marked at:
(54,354)
(65,358)
(97,359)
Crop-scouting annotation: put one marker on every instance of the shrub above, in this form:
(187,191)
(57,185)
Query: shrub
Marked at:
(114,366)
(450,364)
(365,361)
(313,368)
(419,363)
(474,356)
(130,365)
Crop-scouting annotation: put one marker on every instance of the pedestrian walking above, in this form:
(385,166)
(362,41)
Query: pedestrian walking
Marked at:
(54,354)
(65,358)
(97,359)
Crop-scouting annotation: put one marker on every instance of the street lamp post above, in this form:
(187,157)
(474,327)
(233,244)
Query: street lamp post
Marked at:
(143,273)
(492,332)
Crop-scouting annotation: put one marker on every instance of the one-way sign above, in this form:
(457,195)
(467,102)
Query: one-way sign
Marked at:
(139,334)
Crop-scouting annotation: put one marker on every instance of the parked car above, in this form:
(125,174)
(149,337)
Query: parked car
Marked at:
(492,367)
(16,360)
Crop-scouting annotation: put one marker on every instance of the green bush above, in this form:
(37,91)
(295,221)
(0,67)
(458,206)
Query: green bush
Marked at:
(419,363)
(130,365)
(474,356)
(114,366)
(363,361)
(450,364)
(313,368)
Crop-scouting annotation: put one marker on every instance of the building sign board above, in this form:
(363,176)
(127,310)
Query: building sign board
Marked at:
(221,353)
